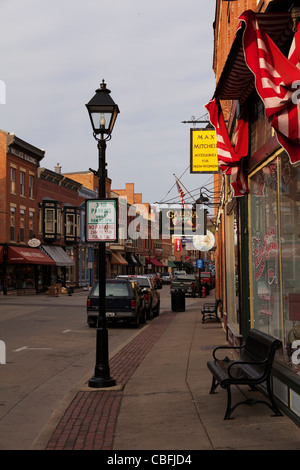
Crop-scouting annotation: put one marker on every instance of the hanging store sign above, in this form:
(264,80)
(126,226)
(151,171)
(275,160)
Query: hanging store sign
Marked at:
(204,158)
(204,242)
(183,221)
(101,220)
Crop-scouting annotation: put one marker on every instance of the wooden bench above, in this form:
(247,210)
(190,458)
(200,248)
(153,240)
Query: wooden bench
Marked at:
(252,368)
(212,311)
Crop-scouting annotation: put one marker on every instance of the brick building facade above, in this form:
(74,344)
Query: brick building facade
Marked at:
(257,254)
(42,222)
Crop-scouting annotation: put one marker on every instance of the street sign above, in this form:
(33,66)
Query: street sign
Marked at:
(101,220)
(199,263)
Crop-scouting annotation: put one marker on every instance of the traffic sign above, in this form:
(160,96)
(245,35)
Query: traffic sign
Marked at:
(101,220)
(199,263)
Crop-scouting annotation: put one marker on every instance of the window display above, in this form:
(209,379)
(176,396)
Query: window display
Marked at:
(274,251)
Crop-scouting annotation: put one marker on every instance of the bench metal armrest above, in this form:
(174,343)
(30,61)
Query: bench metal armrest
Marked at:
(251,363)
(226,347)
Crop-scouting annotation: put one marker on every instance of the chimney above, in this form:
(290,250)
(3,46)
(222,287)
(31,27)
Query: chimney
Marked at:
(57,168)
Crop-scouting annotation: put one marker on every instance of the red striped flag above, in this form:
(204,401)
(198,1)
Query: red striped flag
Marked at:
(181,193)
(230,153)
(276,79)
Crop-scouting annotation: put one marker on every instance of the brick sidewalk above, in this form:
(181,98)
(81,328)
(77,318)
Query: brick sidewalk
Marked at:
(89,422)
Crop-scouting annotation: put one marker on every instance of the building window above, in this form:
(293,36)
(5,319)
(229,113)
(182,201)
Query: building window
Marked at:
(13,180)
(51,215)
(22,183)
(40,220)
(12,224)
(70,225)
(59,222)
(49,220)
(30,225)
(22,225)
(31,186)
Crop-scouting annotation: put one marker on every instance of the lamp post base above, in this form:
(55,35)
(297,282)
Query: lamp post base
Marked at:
(101,382)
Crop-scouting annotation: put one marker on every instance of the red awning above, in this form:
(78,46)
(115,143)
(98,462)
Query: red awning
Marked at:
(27,256)
(155,262)
(237,81)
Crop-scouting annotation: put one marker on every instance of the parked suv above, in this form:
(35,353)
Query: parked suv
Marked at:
(151,296)
(124,301)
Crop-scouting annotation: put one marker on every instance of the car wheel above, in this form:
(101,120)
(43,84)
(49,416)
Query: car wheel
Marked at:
(156,312)
(149,314)
(136,321)
(93,324)
(143,317)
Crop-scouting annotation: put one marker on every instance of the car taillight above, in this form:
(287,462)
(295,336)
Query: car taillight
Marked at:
(192,285)
(88,302)
(133,303)
(171,284)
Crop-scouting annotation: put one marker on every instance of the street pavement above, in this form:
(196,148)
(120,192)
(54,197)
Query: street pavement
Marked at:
(161,400)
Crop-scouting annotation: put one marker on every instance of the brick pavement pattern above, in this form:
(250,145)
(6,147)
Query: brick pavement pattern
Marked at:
(90,420)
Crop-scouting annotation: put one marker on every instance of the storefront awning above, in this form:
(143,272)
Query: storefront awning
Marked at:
(237,81)
(171,264)
(26,255)
(132,260)
(155,262)
(58,255)
(117,258)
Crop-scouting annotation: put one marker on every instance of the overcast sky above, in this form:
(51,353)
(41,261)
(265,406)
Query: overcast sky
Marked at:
(156,58)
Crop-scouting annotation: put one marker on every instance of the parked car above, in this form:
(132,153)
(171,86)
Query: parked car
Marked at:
(124,301)
(166,278)
(207,279)
(151,296)
(187,283)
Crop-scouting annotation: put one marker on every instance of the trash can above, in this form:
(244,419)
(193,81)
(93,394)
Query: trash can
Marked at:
(178,300)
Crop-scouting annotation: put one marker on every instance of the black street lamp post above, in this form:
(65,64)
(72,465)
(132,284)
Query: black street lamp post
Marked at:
(103,113)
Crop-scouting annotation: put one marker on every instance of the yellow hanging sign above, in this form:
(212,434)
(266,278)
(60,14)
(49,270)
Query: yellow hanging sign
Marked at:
(204,158)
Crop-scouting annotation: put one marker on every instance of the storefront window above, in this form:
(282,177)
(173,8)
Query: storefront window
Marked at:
(20,276)
(275,253)
(289,191)
(70,270)
(266,306)
(232,268)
